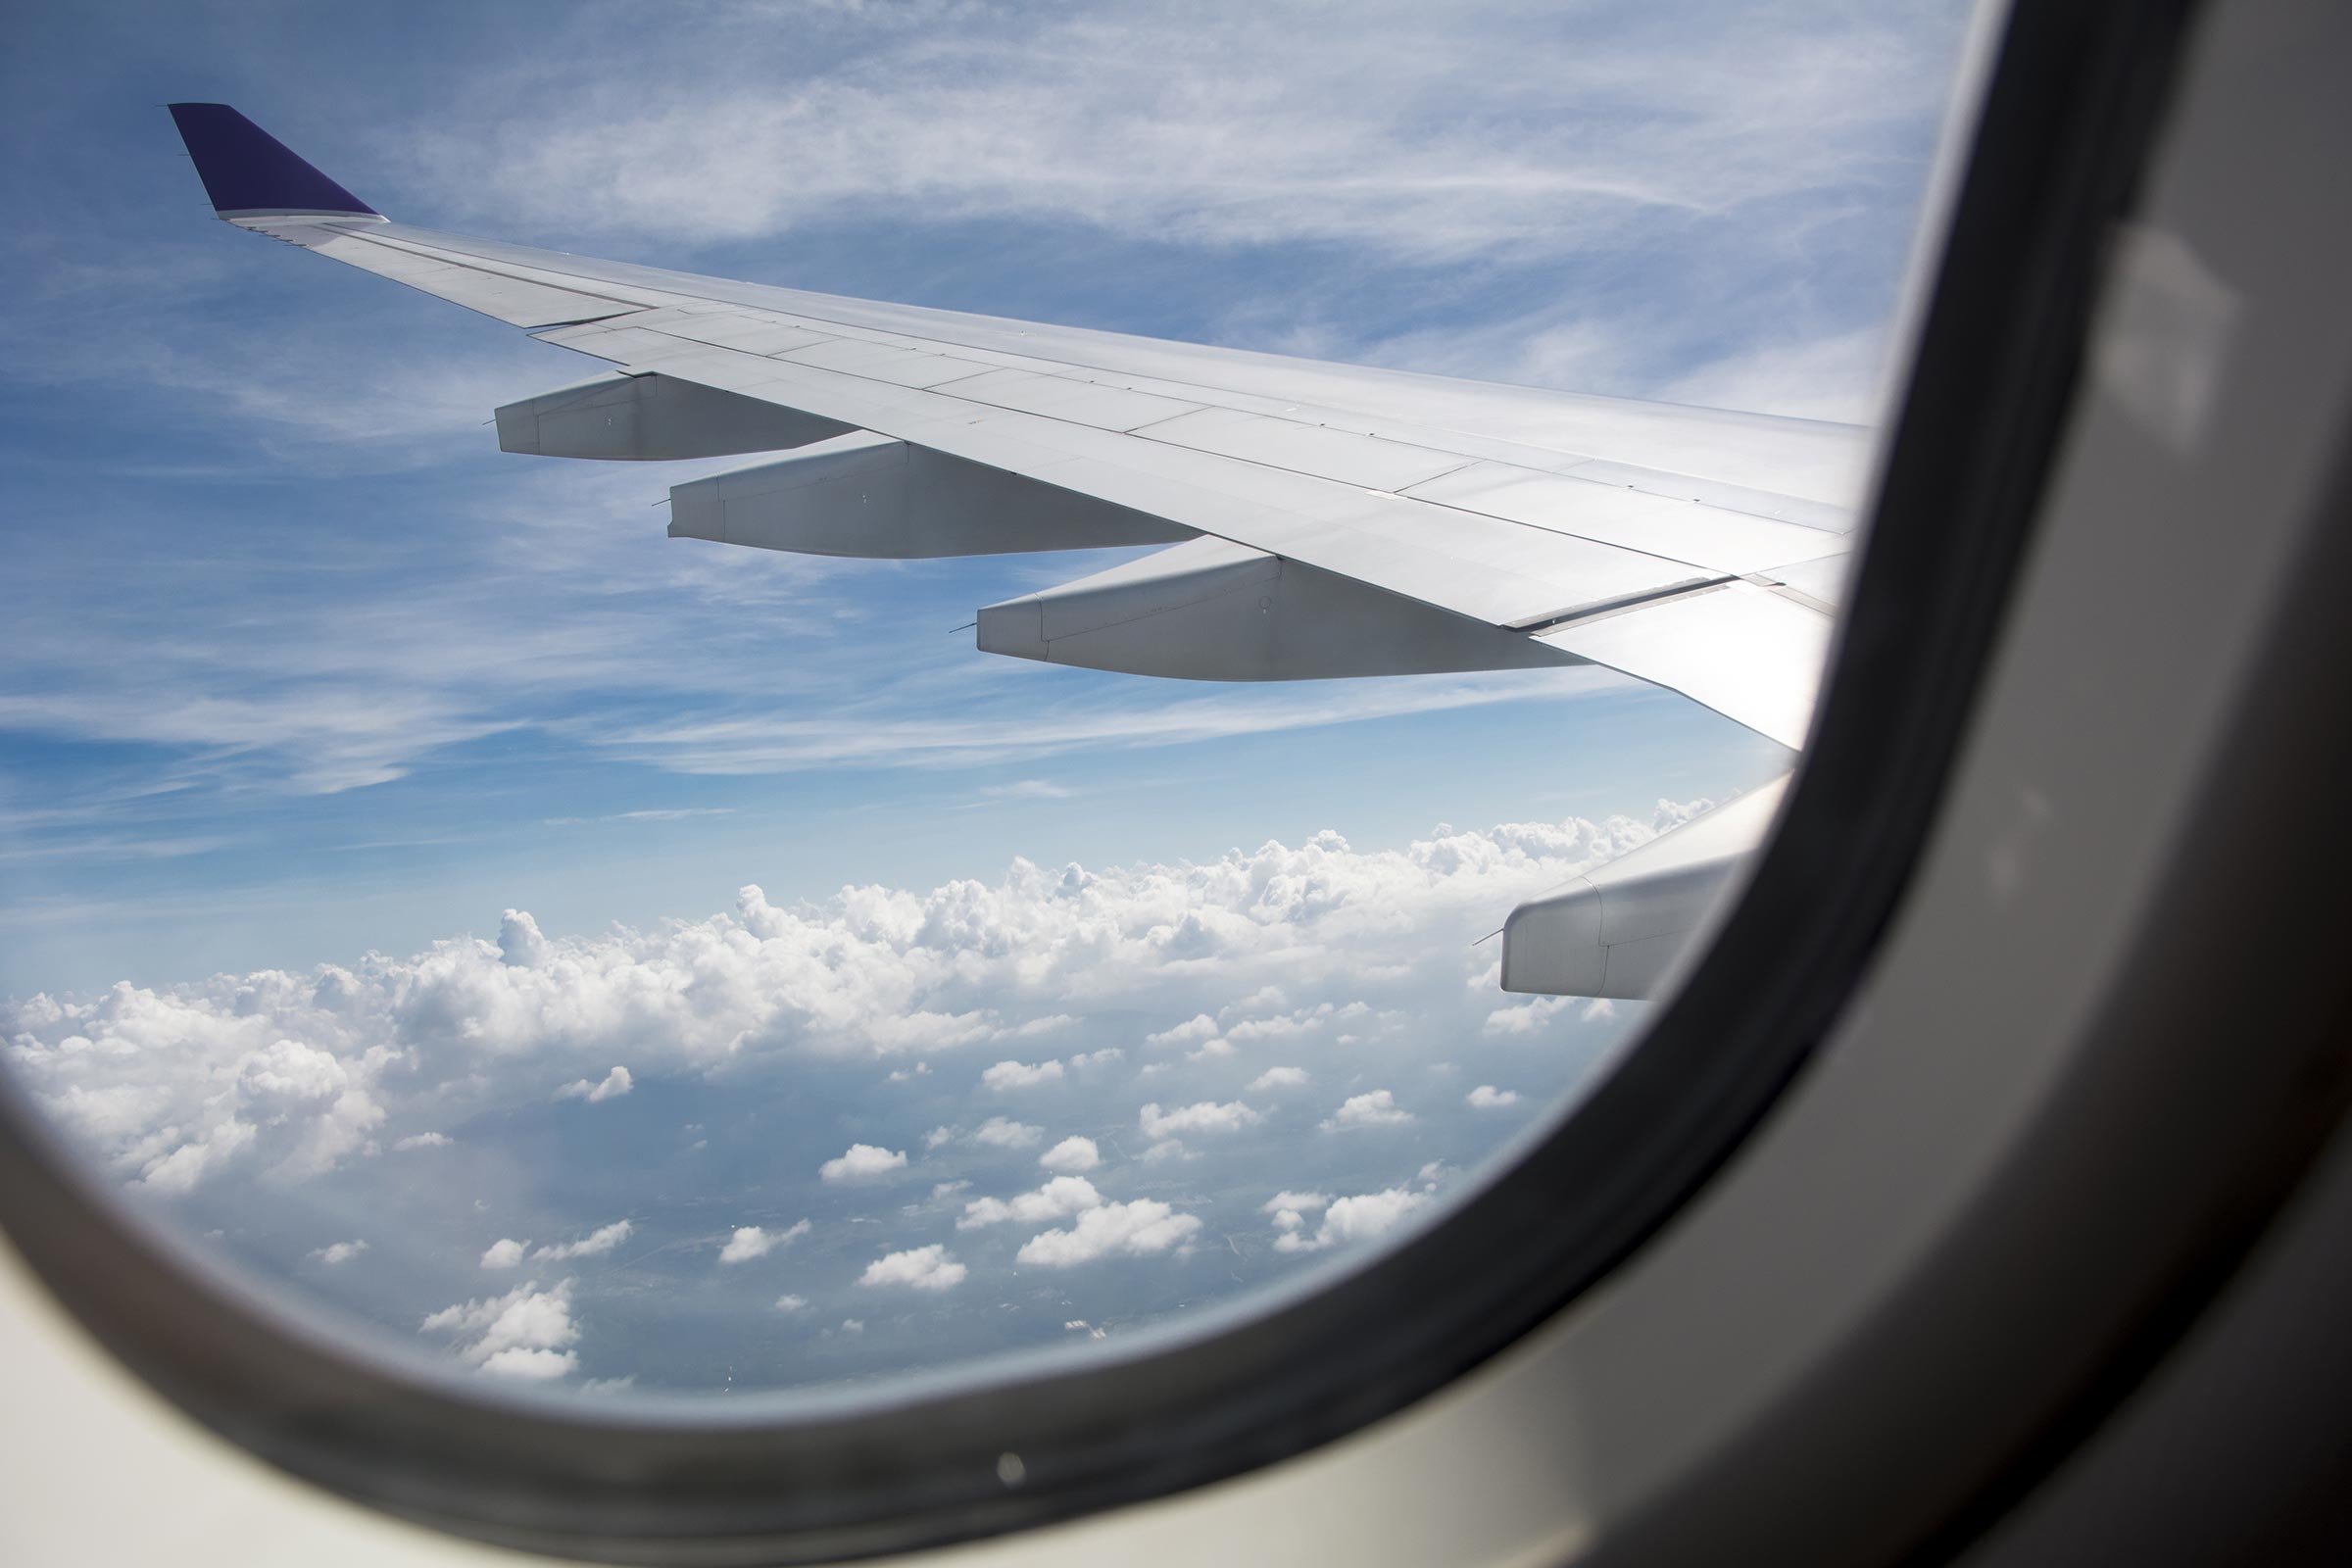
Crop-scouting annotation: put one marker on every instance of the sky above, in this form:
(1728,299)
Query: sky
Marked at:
(609,961)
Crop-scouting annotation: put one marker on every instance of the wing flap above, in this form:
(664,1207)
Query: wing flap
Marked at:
(1681,530)
(1748,653)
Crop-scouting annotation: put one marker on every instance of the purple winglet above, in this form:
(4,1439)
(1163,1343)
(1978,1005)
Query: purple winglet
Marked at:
(246,169)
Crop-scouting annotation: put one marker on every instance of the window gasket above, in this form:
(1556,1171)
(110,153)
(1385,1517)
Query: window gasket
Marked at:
(2067,116)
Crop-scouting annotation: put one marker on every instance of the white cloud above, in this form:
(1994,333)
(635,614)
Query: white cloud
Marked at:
(1300,1200)
(921,1268)
(612,1085)
(1135,1229)
(1278,1078)
(1206,1118)
(529,1364)
(505,1252)
(1375,1108)
(1020,1075)
(289,1075)
(522,1334)
(593,1244)
(421,1141)
(1027,789)
(1485,1097)
(750,1242)
(1291,1025)
(792,1303)
(1001,1132)
(851,1325)
(846,739)
(519,940)
(340,1251)
(1408,135)
(1201,1026)
(862,1161)
(1344,1220)
(1072,1153)
(1058,1198)
(1527,1017)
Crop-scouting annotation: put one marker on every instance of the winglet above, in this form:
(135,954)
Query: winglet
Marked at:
(250,173)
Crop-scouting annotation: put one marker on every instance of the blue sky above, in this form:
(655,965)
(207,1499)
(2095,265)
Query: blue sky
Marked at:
(300,669)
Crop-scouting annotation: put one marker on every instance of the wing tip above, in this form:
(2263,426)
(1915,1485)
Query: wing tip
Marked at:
(247,171)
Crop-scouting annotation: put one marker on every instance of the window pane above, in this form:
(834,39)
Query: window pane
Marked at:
(612,961)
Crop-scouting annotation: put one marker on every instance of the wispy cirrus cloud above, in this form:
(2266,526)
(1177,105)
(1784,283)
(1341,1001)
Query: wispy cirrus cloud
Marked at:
(1498,127)
(775,742)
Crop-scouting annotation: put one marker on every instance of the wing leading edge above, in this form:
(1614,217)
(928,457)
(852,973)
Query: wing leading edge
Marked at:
(1319,520)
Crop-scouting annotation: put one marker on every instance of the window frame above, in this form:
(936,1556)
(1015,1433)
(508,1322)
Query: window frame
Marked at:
(2068,112)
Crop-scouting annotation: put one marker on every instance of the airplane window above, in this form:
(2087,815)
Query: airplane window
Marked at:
(466,893)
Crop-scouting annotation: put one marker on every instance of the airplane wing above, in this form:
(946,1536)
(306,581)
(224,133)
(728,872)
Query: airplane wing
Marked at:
(1323,519)
(1318,519)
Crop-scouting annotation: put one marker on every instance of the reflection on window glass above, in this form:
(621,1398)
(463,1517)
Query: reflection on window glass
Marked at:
(608,961)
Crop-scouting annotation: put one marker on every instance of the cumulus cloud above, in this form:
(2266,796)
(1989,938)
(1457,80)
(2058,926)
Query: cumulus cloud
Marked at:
(1206,1118)
(505,1252)
(1058,1198)
(1291,1025)
(792,1303)
(1073,1153)
(1278,1078)
(519,941)
(1135,1229)
(921,1268)
(1526,1017)
(1485,1097)
(749,1241)
(862,1161)
(1201,1026)
(1001,1131)
(287,1075)
(611,1086)
(523,1334)
(1375,1108)
(1020,1075)
(593,1244)
(340,1251)
(1344,1220)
